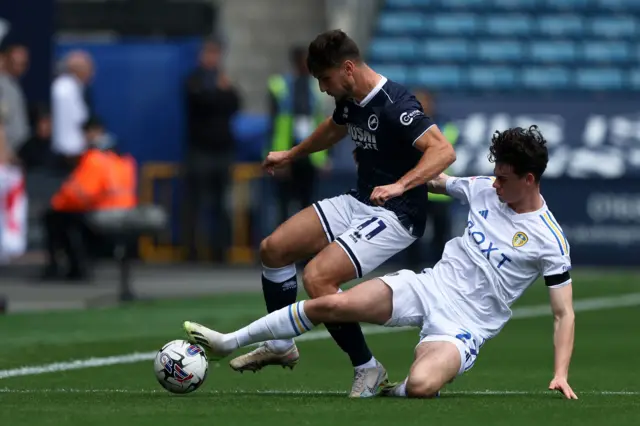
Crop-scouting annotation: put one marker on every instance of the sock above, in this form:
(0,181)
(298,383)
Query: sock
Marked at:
(401,390)
(351,340)
(280,289)
(284,323)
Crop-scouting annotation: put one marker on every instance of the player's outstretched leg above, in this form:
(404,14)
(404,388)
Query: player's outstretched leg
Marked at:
(298,238)
(369,302)
(436,364)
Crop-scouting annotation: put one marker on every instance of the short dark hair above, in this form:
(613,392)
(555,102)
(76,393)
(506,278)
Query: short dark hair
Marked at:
(523,149)
(330,49)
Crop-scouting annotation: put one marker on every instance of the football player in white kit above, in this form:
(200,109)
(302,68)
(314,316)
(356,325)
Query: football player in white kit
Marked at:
(511,239)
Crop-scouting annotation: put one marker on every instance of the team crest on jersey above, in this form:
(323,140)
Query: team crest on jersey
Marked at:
(373,122)
(519,239)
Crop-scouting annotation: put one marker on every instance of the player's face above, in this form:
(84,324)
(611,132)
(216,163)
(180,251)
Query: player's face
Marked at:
(510,187)
(338,82)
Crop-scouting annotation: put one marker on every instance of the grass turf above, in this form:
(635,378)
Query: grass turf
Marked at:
(519,359)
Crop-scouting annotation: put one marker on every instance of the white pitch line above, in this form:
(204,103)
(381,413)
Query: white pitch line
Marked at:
(584,305)
(298,392)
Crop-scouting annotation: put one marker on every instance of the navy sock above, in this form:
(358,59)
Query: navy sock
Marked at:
(277,295)
(351,340)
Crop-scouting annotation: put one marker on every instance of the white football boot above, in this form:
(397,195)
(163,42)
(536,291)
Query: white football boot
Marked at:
(211,340)
(368,382)
(264,355)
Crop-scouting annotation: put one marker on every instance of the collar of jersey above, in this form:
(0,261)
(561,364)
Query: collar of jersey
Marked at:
(373,92)
(510,212)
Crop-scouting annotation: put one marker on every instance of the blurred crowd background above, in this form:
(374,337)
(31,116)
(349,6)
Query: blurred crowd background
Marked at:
(175,103)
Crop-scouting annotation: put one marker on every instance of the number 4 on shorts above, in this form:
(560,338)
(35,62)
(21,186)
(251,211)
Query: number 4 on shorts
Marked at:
(379,227)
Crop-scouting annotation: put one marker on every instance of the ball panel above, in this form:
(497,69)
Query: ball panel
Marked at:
(181,367)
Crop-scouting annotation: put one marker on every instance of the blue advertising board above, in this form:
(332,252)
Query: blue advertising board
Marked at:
(587,137)
(600,218)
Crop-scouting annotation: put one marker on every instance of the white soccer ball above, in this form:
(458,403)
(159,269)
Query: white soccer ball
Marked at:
(181,367)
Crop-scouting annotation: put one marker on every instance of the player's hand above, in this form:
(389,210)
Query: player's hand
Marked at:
(275,160)
(381,194)
(561,385)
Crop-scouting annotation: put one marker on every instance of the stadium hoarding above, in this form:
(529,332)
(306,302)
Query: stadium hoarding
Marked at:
(588,137)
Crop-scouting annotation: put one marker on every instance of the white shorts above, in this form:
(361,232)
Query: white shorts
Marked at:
(416,304)
(368,234)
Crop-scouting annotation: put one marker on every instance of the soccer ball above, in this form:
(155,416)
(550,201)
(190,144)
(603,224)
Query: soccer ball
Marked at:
(181,367)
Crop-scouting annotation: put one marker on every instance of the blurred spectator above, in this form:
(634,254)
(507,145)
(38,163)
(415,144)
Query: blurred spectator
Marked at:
(102,180)
(296,109)
(211,103)
(70,109)
(36,152)
(13,212)
(438,208)
(13,106)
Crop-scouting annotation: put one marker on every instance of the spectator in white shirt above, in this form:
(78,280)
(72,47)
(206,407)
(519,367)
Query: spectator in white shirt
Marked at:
(70,109)
(13,104)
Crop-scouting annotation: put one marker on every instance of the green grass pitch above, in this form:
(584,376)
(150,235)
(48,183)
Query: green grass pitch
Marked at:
(507,386)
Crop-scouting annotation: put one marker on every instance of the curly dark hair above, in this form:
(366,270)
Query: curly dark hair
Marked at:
(330,49)
(523,149)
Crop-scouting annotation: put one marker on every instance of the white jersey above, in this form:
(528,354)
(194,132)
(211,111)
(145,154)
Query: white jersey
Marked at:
(501,253)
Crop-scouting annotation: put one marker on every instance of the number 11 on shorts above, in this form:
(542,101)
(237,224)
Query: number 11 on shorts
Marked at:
(379,227)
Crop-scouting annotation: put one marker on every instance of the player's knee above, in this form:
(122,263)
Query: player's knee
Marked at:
(312,281)
(315,283)
(271,254)
(333,307)
(422,387)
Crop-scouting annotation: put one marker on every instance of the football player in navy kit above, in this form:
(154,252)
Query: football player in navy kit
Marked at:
(398,150)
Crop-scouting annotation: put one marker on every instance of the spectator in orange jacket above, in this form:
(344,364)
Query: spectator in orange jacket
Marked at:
(103,179)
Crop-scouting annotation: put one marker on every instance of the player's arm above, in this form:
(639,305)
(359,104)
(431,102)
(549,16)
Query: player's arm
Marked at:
(439,184)
(555,264)
(412,127)
(327,134)
(564,325)
(437,155)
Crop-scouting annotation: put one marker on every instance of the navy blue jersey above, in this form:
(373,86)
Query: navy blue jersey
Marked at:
(384,127)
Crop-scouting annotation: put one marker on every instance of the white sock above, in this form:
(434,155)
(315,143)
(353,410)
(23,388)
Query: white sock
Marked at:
(401,390)
(369,364)
(284,323)
(280,346)
(279,275)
